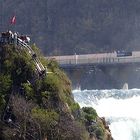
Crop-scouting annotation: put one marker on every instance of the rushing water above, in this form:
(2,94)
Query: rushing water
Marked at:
(119,107)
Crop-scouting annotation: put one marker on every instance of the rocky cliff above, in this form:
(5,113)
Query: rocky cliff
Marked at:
(36,105)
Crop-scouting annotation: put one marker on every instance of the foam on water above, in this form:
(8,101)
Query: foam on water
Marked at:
(120,107)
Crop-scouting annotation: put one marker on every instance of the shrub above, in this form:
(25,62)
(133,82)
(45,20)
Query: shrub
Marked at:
(28,90)
(5,84)
(97,131)
(47,121)
(51,83)
(90,113)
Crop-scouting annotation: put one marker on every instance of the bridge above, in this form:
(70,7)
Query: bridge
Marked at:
(96,59)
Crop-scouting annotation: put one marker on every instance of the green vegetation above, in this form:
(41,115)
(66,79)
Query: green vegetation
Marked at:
(41,106)
(97,131)
(5,86)
(90,113)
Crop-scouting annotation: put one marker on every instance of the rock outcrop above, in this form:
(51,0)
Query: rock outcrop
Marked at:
(36,105)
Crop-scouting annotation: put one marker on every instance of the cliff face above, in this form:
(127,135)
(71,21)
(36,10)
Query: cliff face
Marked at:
(76,26)
(36,105)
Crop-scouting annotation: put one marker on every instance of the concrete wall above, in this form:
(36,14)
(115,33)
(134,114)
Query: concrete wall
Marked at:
(105,77)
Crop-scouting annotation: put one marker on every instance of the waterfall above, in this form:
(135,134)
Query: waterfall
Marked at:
(119,107)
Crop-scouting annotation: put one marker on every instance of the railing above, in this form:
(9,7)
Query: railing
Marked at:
(37,62)
(10,38)
(104,58)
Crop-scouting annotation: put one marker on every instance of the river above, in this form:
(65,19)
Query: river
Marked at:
(119,107)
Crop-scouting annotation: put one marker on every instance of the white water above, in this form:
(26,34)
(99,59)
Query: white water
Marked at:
(120,107)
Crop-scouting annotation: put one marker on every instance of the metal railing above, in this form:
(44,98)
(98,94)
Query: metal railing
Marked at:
(40,68)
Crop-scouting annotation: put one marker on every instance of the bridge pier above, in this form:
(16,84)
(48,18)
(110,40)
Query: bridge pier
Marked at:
(75,75)
(105,76)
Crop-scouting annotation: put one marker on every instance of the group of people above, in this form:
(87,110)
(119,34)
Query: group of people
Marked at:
(9,37)
(22,40)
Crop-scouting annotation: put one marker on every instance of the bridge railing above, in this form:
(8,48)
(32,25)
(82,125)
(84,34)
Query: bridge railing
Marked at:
(105,58)
(98,60)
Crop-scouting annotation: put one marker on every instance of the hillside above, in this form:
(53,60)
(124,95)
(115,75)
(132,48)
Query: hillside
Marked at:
(36,105)
(75,26)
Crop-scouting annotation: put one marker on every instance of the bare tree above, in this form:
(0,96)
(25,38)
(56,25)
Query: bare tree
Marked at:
(22,126)
(69,129)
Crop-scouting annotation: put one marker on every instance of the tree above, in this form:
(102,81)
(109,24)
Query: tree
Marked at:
(22,125)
